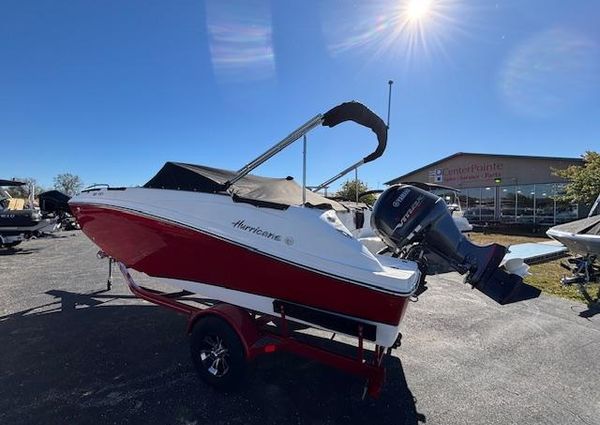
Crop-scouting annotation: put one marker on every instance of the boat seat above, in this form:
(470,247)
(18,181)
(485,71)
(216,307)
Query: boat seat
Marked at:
(15,204)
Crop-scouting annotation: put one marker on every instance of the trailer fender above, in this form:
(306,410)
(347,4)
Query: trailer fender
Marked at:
(239,319)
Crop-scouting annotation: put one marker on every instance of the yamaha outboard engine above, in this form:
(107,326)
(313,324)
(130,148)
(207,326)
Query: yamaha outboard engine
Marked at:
(405,215)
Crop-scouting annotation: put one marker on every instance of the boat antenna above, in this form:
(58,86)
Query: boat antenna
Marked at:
(390,82)
(304,170)
(356,183)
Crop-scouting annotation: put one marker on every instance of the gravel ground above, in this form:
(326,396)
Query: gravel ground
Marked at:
(72,352)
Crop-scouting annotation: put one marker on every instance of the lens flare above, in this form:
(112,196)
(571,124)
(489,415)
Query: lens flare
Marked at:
(550,72)
(240,40)
(405,28)
(417,10)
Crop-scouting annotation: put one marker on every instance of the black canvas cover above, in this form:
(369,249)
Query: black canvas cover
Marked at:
(11,183)
(54,201)
(261,191)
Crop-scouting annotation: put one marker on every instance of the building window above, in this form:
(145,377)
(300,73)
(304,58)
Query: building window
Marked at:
(544,204)
(536,203)
(472,203)
(463,199)
(565,210)
(508,203)
(488,203)
(525,204)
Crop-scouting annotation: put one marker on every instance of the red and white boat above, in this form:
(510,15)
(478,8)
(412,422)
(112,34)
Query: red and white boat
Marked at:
(269,245)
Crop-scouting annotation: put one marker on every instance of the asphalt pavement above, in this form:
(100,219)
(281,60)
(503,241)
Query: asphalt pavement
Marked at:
(73,352)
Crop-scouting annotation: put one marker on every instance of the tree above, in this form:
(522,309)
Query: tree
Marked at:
(68,183)
(348,191)
(583,180)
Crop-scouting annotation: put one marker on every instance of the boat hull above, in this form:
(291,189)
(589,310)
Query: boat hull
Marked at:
(580,236)
(206,263)
(577,243)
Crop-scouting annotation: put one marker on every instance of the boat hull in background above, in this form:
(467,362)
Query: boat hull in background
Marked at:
(580,237)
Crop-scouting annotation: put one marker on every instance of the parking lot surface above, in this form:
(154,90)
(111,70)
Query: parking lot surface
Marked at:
(72,352)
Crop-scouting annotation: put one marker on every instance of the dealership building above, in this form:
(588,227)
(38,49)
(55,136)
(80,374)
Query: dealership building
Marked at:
(503,188)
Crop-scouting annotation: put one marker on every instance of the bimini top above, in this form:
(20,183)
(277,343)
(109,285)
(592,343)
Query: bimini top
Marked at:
(260,191)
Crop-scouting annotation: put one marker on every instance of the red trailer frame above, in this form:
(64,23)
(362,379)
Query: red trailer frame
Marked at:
(257,338)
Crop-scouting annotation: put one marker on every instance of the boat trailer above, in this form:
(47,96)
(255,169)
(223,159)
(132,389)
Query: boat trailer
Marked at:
(584,271)
(225,338)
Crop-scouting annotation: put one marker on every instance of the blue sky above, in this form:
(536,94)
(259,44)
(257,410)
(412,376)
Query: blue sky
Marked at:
(110,90)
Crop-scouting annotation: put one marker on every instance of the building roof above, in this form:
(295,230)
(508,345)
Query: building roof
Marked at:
(402,177)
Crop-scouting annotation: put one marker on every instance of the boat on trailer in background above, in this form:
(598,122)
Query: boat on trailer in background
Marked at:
(19,218)
(278,257)
(582,239)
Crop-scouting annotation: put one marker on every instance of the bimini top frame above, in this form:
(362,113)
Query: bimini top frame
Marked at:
(349,111)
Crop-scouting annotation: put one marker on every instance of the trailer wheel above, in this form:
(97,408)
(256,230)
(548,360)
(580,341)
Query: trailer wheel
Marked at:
(218,353)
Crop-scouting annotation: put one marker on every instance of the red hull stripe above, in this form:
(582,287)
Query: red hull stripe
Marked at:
(251,248)
(172,250)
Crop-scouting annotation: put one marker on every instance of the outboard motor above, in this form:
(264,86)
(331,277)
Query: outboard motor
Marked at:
(404,215)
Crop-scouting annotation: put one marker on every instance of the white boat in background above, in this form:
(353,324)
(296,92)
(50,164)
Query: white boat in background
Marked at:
(582,238)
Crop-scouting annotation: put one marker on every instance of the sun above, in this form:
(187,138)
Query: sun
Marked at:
(417,10)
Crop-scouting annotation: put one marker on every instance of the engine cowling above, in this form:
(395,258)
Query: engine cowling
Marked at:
(405,215)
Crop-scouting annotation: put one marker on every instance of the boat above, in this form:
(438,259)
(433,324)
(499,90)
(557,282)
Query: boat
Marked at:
(582,239)
(582,236)
(55,204)
(252,240)
(19,219)
(270,246)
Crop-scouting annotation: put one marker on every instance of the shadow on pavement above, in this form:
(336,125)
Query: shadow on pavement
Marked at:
(53,236)
(90,362)
(592,310)
(18,251)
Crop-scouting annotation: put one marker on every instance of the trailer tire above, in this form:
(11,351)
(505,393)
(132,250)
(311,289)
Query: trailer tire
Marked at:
(217,353)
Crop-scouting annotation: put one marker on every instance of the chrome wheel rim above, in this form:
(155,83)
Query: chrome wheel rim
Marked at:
(214,356)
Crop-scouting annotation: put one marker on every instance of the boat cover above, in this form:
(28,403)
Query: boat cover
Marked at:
(11,183)
(588,226)
(54,201)
(260,191)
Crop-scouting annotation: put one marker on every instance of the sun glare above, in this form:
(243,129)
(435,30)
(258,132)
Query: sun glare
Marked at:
(412,29)
(417,10)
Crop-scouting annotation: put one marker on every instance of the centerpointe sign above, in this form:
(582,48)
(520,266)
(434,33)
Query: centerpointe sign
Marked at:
(470,172)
